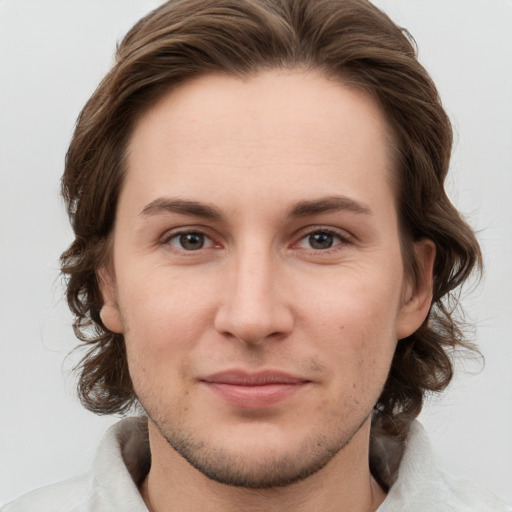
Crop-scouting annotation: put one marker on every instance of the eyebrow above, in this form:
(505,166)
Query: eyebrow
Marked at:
(301,209)
(183,206)
(329,204)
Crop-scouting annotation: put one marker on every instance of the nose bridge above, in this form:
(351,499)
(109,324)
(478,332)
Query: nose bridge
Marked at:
(254,278)
(253,306)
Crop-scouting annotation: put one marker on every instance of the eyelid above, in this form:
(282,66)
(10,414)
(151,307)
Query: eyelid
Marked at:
(184,230)
(344,236)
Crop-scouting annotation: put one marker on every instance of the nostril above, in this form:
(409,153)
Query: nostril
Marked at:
(273,326)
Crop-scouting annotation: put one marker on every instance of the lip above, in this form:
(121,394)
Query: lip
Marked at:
(249,390)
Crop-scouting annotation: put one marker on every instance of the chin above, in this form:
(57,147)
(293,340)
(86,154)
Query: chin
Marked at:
(256,467)
(256,457)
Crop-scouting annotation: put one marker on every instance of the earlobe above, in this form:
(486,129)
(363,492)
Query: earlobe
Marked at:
(111,319)
(109,314)
(418,295)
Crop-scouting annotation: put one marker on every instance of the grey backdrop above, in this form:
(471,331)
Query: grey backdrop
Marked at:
(53,53)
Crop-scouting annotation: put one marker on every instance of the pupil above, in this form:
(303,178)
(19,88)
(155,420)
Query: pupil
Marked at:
(321,240)
(192,241)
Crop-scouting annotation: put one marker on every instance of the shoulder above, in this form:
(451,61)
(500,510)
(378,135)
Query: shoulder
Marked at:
(468,496)
(422,486)
(452,495)
(119,464)
(69,495)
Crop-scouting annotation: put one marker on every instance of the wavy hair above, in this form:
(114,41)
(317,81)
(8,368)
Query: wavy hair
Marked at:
(349,40)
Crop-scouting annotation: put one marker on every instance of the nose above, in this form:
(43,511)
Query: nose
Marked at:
(253,307)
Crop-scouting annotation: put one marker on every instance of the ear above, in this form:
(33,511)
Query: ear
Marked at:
(417,297)
(109,314)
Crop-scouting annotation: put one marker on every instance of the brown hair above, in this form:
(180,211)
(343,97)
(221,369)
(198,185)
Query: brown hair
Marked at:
(350,40)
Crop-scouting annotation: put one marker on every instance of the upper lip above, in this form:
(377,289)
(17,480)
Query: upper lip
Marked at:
(261,378)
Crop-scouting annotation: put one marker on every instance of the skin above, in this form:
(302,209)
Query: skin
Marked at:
(294,265)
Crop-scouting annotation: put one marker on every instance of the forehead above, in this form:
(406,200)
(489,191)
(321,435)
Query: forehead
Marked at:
(295,132)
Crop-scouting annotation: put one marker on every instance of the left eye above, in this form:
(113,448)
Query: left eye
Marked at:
(320,240)
(190,241)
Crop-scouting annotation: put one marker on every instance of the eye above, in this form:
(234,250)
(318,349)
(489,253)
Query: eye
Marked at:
(190,241)
(321,240)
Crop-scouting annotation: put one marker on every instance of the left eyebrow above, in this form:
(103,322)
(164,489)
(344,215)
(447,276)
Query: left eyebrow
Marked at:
(329,204)
(183,206)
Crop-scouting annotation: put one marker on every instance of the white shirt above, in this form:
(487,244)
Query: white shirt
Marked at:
(119,464)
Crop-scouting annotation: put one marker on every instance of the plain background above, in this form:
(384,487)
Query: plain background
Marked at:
(53,53)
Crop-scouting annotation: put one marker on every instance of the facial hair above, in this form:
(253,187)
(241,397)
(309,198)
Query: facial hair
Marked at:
(231,467)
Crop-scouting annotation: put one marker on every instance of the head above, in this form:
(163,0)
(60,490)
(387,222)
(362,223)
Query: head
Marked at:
(186,50)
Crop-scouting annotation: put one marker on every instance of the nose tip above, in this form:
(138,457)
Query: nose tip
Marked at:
(254,309)
(251,332)
(254,325)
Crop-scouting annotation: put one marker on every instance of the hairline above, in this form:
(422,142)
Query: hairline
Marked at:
(391,137)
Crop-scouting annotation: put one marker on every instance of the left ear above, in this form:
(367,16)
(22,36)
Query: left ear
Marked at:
(417,297)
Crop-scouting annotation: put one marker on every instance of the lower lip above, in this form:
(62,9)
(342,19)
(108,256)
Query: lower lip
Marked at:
(254,397)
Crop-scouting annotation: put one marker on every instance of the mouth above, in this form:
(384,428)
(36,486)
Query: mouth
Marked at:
(254,390)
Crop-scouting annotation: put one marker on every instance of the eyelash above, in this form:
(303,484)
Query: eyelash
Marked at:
(343,239)
(177,234)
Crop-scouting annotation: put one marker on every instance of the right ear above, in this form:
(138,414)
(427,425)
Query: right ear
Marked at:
(109,314)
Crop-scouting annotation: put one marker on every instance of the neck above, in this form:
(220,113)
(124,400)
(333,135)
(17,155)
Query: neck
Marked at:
(344,484)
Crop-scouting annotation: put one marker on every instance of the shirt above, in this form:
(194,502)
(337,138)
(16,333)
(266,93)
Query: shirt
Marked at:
(122,461)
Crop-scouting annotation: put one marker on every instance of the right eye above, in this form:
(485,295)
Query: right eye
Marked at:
(190,241)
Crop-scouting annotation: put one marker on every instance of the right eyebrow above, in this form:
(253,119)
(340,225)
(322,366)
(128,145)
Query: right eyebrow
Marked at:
(183,206)
(329,204)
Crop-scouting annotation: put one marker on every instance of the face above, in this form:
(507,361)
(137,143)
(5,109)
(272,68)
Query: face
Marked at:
(257,272)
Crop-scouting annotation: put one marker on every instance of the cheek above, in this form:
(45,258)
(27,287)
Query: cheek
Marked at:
(163,316)
(162,327)
(357,333)
(361,312)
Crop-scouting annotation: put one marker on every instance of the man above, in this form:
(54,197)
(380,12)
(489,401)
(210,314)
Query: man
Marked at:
(263,253)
